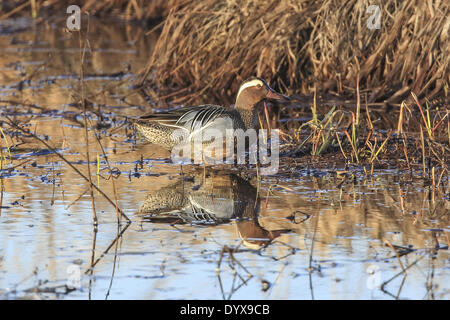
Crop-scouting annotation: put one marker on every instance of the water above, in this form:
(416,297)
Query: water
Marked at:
(214,234)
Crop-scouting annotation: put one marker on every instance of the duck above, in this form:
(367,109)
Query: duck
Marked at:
(159,128)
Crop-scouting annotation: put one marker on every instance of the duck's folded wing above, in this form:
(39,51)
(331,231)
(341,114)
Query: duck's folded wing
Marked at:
(189,118)
(200,117)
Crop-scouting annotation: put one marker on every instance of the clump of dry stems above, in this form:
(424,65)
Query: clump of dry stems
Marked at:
(210,46)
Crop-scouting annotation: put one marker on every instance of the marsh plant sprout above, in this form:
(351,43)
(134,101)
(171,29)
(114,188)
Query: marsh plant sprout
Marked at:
(374,21)
(212,146)
(73,22)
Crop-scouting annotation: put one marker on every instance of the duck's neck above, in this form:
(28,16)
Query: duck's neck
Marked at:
(246,106)
(248,116)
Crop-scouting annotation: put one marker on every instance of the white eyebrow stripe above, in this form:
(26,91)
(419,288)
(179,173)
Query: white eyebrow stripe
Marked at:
(252,83)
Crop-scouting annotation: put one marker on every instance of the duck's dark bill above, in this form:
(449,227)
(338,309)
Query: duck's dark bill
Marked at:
(276,96)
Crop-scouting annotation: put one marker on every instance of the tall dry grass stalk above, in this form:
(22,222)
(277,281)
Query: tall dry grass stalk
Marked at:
(212,45)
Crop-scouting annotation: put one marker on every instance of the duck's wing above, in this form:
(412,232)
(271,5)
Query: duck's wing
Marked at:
(188,118)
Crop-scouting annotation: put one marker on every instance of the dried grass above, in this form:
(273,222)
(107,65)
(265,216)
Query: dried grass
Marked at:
(210,46)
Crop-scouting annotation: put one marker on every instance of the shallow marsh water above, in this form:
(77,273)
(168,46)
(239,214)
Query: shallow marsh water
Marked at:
(306,234)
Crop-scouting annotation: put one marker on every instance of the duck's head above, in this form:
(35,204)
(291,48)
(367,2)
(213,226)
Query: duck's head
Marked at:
(254,90)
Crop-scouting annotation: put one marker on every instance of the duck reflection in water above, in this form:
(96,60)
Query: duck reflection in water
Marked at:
(218,199)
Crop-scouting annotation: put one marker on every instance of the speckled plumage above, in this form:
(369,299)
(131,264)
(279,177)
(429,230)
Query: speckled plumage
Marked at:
(157,133)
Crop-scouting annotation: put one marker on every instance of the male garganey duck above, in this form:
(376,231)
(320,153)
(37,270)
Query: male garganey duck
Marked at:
(158,128)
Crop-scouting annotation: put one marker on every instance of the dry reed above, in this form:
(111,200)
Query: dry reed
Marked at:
(210,46)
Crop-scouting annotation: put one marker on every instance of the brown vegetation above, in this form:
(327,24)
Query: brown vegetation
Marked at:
(212,45)
(127,9)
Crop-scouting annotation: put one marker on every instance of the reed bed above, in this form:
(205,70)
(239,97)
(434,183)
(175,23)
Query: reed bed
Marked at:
(210,46)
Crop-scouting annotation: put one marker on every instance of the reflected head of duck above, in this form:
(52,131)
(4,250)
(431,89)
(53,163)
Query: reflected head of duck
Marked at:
(256,237)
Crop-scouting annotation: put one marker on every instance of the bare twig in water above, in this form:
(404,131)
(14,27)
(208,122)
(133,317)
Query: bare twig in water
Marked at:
(114,264)
(86,132)
(119,235)
(12,124)
(112,176)
(232,261)
(383,285)
(310,268)
(388,243)
(94,243)
(78,198)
